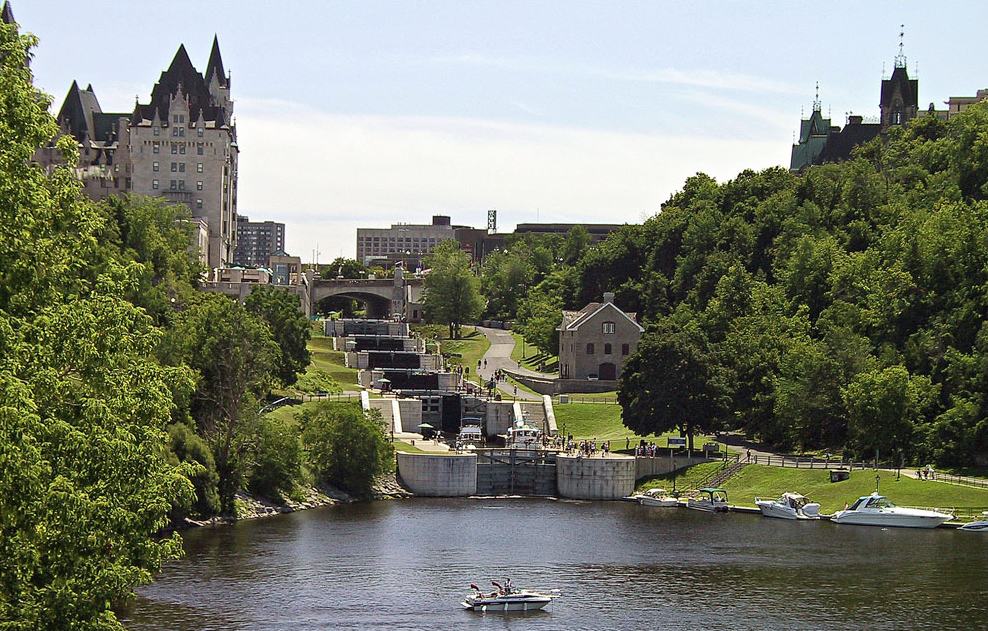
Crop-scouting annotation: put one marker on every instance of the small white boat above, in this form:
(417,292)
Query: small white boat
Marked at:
(657,497)
(709,499)
(789,506)
(506,598)
(976,526)
(523,436)
(877,510)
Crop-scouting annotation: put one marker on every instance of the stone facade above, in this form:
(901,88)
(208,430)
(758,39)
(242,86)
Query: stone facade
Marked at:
(181,145)
(595,342)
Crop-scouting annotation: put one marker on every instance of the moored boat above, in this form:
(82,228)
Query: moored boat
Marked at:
(980,525)
(523,436)
(658,498)
(789,506)
(506,598)
(877,510)
(712,500)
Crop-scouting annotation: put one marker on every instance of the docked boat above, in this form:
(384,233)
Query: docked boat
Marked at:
(471,432)
(523,436)
(877,510)
(789,506)
(709,499)
(506,598)
(976,526)
(657,497)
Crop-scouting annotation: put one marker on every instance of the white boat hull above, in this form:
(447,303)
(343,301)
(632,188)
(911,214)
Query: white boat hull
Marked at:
(659,502)
(975,526)
(774,509)
(710,507)
(507,603)
(916,519)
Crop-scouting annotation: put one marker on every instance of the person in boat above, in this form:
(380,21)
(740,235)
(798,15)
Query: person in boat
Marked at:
(507,586)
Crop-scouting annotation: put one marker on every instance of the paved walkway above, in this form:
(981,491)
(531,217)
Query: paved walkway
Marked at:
(498,356)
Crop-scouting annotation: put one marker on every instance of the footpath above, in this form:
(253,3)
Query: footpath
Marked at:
(498,357)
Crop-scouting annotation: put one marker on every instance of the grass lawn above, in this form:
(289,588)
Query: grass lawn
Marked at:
(610,397)
(407,448)
(462,352)
(603,422)
(533,358)
(325,358)
(764,481)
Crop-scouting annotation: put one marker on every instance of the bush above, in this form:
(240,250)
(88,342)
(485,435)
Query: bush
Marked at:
(278,458)
(187,446)
(345,447)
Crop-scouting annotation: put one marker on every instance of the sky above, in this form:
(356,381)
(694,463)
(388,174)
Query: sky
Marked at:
(367,113)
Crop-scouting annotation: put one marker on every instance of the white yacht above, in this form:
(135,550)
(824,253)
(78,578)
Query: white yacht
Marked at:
(523,436)
(506,598)
(471,432)
(789,506)
(657,497)
(709,499)
(977,526)
(877,510)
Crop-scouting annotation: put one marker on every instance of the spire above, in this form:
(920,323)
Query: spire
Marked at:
(816,99)
(7,14)
(215,64)
(181,61)
(900,59)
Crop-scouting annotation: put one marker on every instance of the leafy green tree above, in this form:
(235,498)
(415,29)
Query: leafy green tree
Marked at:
(235,357)
(452,291)
(885,409)
(505,279)
(673,381)
(84,489)
(342,267)
(538,316)
(289,328)
(186,446)
(577,242)
(345,447)
(277,467)
(317,380)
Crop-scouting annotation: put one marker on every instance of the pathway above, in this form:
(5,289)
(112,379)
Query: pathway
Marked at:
(498,356)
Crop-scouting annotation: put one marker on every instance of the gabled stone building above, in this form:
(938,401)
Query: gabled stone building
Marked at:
(596,341)
(181,145)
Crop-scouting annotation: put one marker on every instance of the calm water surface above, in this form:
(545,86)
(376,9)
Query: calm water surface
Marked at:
(405,565)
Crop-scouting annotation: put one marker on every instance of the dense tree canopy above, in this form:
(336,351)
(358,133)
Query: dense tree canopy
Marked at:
(289,328)
(452,294)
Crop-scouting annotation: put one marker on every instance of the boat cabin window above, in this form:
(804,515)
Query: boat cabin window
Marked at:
(880,502)
(858,503)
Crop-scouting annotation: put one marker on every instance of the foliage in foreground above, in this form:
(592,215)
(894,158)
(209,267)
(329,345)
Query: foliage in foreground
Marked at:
(345,447)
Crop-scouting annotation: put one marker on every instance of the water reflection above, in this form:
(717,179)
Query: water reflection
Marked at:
(402,565)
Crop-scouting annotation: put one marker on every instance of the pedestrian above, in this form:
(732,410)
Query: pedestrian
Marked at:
(748,456)
(485,362)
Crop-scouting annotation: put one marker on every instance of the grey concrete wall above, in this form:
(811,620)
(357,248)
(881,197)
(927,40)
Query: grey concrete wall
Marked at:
(438,476)
(595,478)
(500,416)
(562,386)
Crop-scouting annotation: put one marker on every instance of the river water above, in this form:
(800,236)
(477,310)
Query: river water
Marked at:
(406,564)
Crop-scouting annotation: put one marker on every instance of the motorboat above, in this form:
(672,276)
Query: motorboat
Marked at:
(523,436)
(712,500)
(877,510)
(976,526)
(471,432)
(789,506)
(506,598)
(657,497)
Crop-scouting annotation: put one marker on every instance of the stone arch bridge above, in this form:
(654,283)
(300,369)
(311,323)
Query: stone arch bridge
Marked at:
(383,297)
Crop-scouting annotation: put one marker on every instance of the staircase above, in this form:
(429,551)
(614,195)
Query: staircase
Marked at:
(724,475)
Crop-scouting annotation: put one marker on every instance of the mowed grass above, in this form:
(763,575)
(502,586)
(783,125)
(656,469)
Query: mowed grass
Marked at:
(770,482)
(603,422)
(325,358)
(528,356)
(465,351)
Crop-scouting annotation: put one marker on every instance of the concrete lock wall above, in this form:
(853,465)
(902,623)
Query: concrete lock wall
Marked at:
(595,478)
(438,476)
(662,464)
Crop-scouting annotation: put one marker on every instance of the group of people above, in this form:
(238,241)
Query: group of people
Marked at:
(647,450)
(588,447)
(501,590)
(926,473)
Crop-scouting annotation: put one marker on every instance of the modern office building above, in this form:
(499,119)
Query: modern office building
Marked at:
(257,241)
(181,145)
(407,243)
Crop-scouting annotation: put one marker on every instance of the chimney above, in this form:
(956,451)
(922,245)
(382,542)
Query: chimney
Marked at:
(609,296)
(854,119)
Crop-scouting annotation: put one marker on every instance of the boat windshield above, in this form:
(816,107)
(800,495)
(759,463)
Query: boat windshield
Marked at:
(880,502)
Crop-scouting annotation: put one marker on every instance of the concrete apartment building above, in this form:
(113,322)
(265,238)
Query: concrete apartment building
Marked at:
(595,341)
(181,145)
(257,241)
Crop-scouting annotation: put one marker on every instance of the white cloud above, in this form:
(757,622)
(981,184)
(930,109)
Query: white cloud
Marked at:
(326,174)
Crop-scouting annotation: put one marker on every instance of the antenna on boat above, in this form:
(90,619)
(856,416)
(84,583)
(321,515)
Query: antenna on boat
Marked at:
(878,483)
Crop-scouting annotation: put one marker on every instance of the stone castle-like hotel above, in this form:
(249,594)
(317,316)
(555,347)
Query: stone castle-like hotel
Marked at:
(181,145)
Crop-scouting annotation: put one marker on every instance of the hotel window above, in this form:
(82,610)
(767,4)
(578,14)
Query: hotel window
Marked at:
(173,185)
(609,327)
(154,166)
(175,132)
(154,184)
(157,131)
(199,203)
(181,167)
(174,167)
(590,349)
(174,118)
(199,133)
(181,132)
(199,167)
(174,148)
(157,147)
(199,149)
(181,185)
(181,149)
(198,186)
